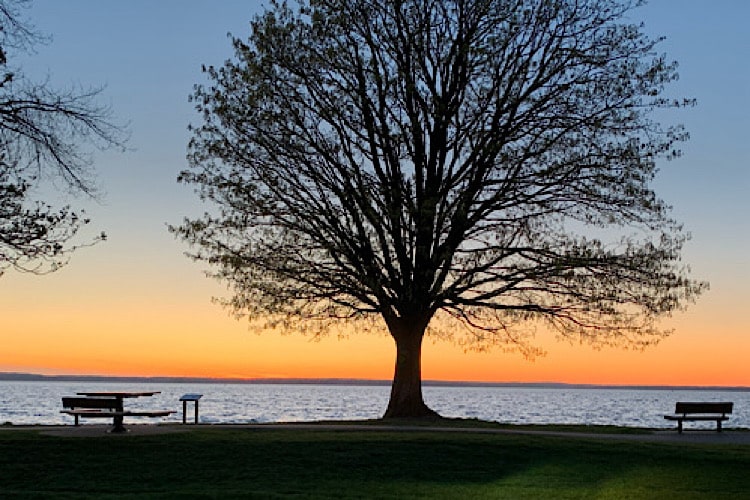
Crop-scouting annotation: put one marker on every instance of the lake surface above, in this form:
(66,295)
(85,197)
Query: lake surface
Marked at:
(39,403)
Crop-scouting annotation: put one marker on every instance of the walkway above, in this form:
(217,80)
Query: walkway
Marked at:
(727,437)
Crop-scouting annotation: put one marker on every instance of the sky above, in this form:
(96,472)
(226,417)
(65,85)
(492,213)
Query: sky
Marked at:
(134,305)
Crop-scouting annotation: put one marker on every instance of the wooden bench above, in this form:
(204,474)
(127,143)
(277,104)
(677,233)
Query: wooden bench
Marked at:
(700,412)
(104,408)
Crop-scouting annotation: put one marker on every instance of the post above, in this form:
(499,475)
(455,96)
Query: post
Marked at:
(117,426)
(190,397)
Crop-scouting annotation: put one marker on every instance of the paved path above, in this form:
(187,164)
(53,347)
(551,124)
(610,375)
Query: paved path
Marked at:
(727,437)
(663,436)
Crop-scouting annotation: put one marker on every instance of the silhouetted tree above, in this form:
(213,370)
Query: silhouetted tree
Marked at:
(41,129)
(483,161)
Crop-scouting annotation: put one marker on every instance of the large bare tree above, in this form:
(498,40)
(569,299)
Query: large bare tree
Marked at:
(42,133)
(467,167)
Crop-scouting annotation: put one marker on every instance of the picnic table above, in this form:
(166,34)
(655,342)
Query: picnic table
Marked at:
(119,412)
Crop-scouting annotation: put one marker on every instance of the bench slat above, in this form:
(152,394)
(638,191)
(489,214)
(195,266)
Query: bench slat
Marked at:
(690,407)
(71,402)
(696,417)
(102,413)
(81,412)
(156,413)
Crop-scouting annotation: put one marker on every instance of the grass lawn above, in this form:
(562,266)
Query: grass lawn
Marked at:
(303,463)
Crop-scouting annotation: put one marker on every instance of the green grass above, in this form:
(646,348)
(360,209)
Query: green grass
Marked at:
(297,463)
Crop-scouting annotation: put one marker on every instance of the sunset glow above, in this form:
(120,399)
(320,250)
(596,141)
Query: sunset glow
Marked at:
(134,338)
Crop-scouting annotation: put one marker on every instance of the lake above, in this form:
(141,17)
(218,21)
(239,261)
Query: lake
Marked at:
(39,403)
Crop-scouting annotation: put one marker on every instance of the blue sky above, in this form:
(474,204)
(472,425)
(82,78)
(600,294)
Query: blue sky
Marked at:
(149,54)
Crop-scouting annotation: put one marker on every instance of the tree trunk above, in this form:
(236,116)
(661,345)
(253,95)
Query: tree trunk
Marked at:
(406,391)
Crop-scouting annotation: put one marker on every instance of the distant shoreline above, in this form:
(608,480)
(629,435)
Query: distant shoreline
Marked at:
(35,377)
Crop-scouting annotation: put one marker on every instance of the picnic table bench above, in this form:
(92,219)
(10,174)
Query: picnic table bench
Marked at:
(107,406)
(700,412)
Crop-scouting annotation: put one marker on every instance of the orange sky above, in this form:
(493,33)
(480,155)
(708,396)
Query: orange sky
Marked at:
(97,331)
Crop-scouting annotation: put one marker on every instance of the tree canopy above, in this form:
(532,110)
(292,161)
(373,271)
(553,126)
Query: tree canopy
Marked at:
(465,167)
(42,130)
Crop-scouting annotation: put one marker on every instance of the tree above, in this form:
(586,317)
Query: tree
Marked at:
(41,132)
(457,167)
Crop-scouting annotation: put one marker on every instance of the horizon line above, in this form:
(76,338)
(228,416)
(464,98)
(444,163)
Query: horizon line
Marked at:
(38,377)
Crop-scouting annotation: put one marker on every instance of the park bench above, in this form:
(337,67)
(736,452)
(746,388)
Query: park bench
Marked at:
(102,407)
(700,412)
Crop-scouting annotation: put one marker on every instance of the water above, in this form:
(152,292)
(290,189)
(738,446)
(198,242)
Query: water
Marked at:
(39,403)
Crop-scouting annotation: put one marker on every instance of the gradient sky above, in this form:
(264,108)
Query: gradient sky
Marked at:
(135,306)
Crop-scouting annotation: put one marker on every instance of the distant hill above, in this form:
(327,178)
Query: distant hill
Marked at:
(35,377)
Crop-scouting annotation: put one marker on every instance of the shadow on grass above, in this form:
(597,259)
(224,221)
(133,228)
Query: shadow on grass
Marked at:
(325,464)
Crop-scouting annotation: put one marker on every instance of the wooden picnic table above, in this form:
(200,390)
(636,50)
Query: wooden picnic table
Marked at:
(118,396)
